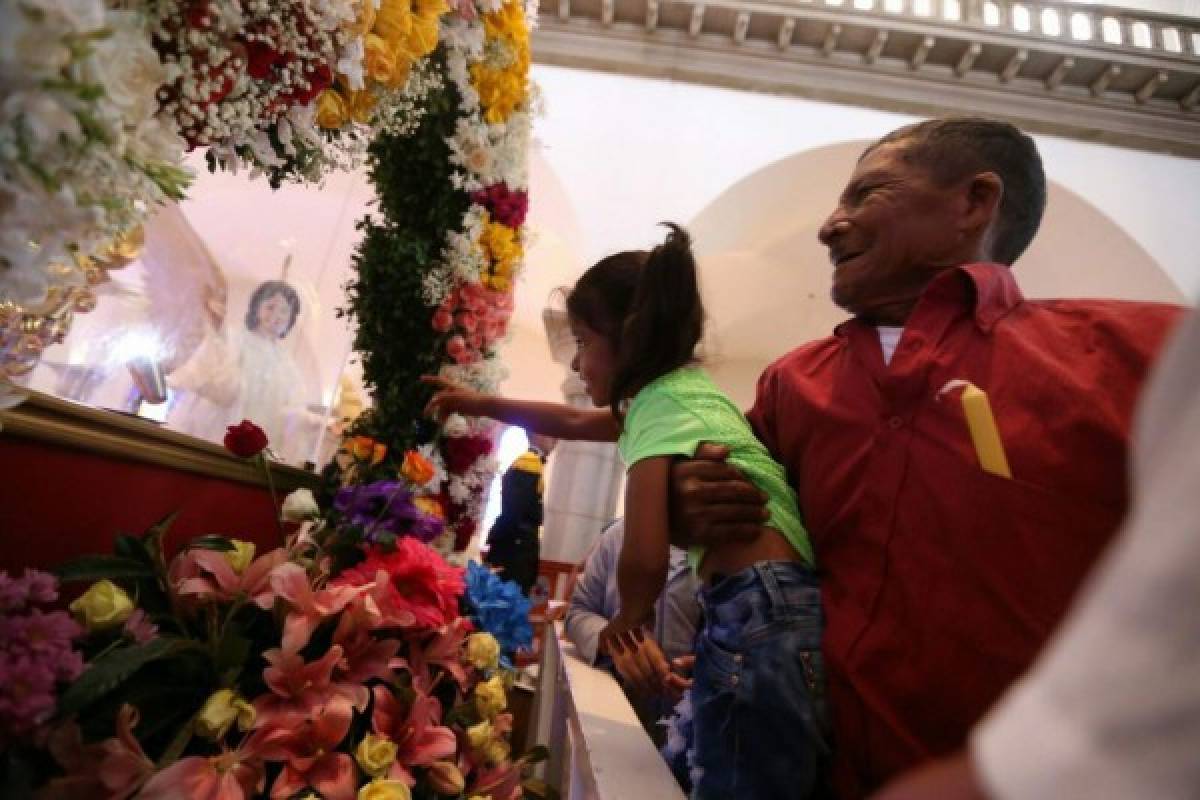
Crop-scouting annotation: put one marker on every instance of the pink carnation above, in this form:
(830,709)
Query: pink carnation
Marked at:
(412,587)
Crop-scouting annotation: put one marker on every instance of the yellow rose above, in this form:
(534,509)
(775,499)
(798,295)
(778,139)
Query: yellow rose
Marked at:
(331,110)
(104,605)
(496,751)
(416,468)
(362,104)
(480,797)
(445,778)
(380,789)
(490,697)
(222,708)
(401,71)
(393,20)
(375,754)
(241,555)
(479,735)
(379,60)
(483,651)
(364,19)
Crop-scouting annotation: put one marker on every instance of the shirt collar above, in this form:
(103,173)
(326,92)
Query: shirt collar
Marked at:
(989,288)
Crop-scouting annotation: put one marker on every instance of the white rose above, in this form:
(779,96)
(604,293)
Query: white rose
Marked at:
(127,66)
(300,505)
(27,48)
(44,119)
(156,140)
(456,425)
(80,16)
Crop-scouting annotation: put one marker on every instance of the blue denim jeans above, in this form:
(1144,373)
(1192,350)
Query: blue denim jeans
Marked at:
(758,696)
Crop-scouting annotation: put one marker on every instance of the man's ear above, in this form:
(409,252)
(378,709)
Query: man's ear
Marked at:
(984,192)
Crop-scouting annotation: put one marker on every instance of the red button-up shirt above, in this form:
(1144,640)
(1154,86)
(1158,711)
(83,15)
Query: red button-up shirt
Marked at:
(941,581)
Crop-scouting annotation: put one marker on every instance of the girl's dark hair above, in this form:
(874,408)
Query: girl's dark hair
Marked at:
(648,307)
(269,289)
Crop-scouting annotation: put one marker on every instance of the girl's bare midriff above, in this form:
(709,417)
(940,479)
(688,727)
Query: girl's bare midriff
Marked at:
(733,557)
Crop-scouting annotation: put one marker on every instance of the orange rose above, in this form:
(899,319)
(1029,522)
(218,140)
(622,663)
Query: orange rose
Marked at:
(364,448)
(416,468)
(430,505)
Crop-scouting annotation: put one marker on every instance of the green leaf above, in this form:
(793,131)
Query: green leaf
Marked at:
(94,568)
(110,670)
(535,755)
(221,543)
(537,789)
(132,547)
(232,653)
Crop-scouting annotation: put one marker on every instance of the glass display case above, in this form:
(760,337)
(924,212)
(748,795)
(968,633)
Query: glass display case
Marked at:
(228,312)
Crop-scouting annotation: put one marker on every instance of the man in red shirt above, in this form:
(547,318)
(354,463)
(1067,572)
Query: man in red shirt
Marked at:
(940,580)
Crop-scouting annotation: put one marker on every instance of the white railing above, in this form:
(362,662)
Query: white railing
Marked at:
(598,749)
(1071,23)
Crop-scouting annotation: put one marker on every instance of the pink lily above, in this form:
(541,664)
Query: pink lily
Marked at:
(207,574)
(232,775)
(115,768)
(364,657)
(308,608)
(301,690)
(419,742)
(311,757)
(444,649)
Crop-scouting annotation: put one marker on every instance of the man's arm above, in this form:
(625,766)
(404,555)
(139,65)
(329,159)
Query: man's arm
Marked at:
(588,612)
(711,501)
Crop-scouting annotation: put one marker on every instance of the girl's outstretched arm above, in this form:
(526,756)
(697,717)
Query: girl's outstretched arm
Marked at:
(551,419)
(642,566)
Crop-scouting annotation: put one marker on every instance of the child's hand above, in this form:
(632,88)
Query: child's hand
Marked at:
(617,634)
(450,398)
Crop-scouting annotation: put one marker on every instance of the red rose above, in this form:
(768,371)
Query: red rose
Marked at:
(245,439)
(460,452)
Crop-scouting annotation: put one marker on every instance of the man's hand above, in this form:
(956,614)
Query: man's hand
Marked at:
(949,779)
(712,502)
(640,662)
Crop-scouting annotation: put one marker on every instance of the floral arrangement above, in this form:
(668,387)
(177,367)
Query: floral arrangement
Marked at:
(84,146)
(436,267)
(100,99)
(353,661)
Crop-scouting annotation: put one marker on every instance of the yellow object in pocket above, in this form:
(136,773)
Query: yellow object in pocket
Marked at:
(982,426)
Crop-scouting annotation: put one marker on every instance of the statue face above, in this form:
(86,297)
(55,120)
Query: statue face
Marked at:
(273,317)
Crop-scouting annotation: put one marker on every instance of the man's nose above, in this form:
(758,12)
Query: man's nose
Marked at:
(834,226)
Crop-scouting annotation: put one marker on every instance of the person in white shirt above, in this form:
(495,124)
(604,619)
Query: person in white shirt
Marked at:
(642,663)
(1111,709)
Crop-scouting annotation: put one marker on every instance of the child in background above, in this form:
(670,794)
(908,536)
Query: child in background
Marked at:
(637,318)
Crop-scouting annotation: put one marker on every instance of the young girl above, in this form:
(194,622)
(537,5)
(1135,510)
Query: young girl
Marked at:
(637,318)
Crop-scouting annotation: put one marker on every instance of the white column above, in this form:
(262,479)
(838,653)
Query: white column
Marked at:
(581,496)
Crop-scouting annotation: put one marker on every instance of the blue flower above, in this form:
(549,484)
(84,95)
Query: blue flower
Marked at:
(498,607)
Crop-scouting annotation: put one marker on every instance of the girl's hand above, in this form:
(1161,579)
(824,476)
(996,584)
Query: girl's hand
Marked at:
(450,398)
(617,635)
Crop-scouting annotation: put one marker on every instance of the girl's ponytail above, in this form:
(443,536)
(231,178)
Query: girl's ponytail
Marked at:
(665,321)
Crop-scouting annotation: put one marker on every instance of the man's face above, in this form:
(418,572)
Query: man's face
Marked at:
(894,229)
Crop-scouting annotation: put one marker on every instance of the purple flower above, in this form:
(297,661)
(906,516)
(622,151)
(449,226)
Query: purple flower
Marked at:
(139,628)
(49,634)
(32,587)
(26,694)
(386,507)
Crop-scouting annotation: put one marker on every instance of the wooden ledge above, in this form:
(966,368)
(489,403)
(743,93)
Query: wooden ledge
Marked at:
(62,423)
